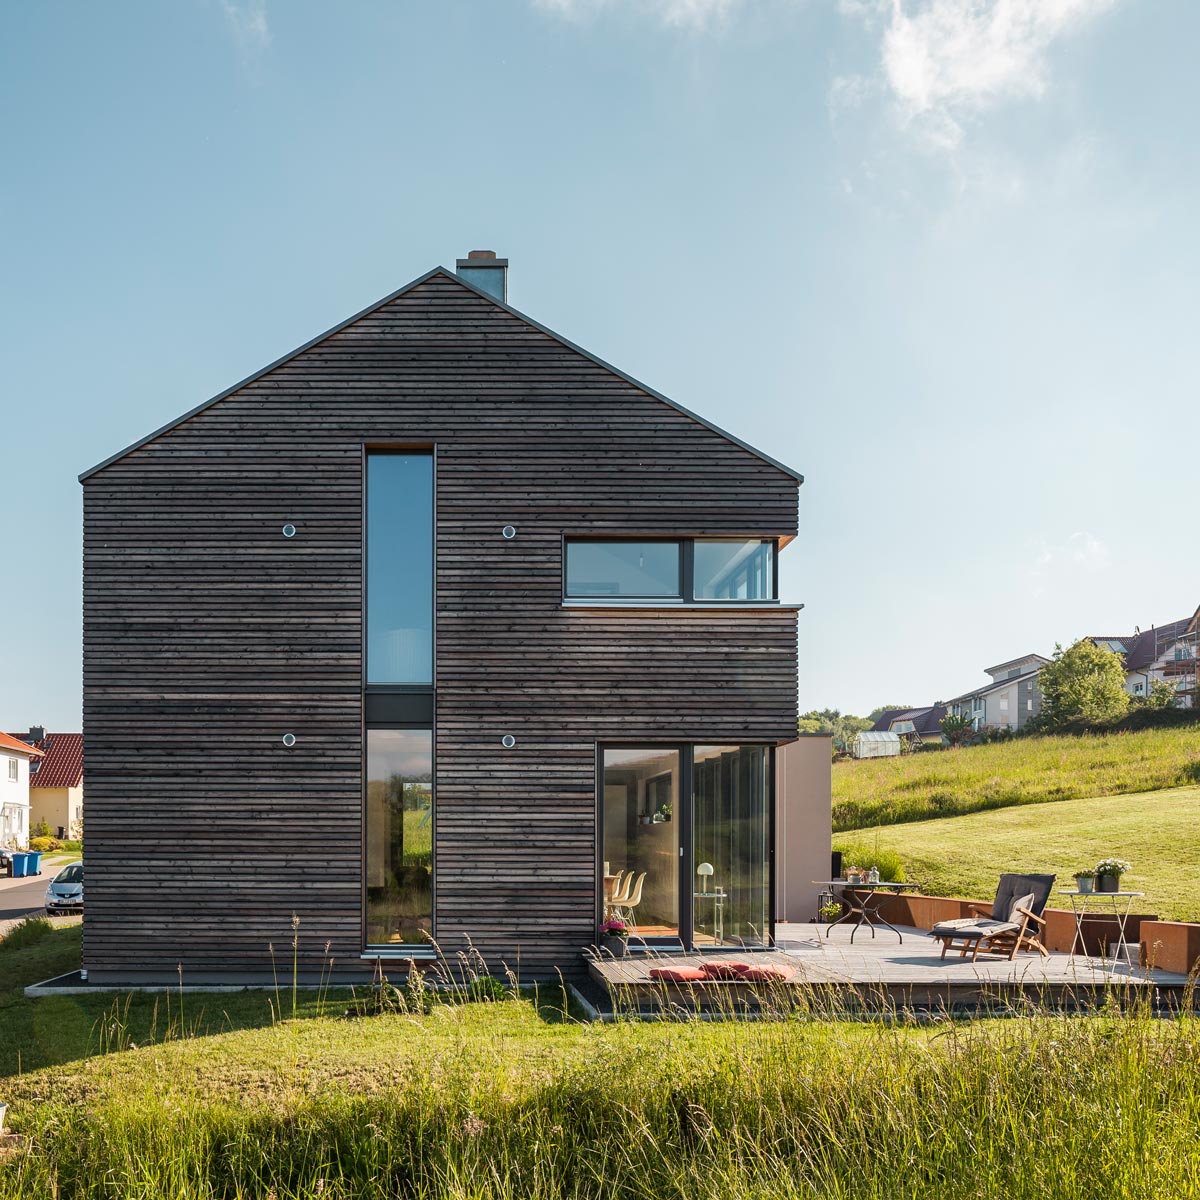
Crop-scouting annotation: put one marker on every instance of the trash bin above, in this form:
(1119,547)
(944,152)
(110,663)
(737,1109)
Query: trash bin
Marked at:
(20,864)
(33,862)
(8,866)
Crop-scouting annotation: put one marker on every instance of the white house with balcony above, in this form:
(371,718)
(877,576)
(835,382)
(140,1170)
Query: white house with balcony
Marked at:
(1010,701)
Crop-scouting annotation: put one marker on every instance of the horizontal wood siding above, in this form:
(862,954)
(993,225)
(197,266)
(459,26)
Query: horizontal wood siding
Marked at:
(207,635)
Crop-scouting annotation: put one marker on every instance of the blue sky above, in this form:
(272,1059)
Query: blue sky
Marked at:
(940,255)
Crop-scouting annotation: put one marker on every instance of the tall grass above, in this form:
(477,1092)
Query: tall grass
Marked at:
(1037,1106)
(1030,770)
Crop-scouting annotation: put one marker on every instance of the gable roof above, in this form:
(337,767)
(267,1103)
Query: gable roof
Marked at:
(62,766)
(12,744)
(442,271)
(924,720)
(996,685)
(1010,662)
(1141,649)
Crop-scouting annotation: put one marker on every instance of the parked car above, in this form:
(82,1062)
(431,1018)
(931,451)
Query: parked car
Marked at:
(65,893)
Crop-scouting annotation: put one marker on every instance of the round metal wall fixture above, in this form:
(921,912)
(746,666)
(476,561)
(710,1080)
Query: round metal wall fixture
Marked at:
(289,740)
(508,741)
(289,530)
(509,531)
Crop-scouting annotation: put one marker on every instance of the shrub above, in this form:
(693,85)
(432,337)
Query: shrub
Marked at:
(28,933)
(40,830)
(866,855)
(43,844)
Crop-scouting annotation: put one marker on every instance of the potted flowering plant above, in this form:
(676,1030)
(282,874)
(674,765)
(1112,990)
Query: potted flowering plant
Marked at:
(1085,881)
(1108,874)
(614,937)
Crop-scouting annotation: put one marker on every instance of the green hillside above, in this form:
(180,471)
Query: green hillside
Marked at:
(963,856)
(925,785)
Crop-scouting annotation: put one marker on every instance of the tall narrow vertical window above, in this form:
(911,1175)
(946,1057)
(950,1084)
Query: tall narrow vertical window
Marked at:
(400,568)
(399,836)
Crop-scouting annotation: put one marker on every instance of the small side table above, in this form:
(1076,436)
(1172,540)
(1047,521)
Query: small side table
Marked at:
(718,898)
(1079,907)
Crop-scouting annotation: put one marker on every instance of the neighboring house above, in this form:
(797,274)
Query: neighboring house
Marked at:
(1164,653)
(56,782)
(1010,701)
(918,725)
(15,759)
(415,632)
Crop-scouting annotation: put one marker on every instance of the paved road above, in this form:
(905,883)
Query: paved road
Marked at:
(20,897)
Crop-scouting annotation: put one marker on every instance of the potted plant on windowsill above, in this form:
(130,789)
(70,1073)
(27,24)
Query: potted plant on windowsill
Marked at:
(614,937)
(1108,874)
(1085,881)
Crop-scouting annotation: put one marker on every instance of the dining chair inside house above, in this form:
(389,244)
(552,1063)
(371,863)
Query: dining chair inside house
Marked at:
(630,898)
(612,889)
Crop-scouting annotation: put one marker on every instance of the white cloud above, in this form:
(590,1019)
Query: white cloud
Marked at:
(247,22)
(695,14)
(946,60)
(1082,551)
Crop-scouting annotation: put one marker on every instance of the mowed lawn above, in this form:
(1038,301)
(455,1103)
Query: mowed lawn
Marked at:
(1158,832)
(930,784)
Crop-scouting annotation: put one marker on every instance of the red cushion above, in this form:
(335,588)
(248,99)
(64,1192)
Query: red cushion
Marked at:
(678,974)
(768,973)
(722,968)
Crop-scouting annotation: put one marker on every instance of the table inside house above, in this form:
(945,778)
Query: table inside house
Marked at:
(608,883)
(1079,907)
(863,902)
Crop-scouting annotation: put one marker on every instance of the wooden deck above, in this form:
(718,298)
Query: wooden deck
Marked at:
(882,971)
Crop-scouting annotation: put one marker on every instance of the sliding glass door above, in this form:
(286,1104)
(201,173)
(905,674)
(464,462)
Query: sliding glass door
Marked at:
(685,850)
(731,844)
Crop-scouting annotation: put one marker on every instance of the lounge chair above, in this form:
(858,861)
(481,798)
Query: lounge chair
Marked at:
(1014,922)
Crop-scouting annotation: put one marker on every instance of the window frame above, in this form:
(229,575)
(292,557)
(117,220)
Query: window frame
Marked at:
(684,820)
(400,950)
(687,574)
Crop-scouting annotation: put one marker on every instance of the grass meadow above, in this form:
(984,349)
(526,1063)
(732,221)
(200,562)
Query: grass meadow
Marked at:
(963,856)
(1033,770)
(513,1099)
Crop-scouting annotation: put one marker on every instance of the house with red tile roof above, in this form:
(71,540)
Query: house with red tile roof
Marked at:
(56,781)
(15,760)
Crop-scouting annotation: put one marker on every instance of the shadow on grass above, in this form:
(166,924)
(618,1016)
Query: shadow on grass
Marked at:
(54,1030)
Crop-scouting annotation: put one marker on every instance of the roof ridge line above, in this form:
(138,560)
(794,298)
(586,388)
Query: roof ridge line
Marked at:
(470,287)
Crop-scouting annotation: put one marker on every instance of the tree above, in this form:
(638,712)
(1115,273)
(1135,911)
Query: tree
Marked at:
(876,713)
(1085,682)
(1161,695)
(830,720)
(958,730)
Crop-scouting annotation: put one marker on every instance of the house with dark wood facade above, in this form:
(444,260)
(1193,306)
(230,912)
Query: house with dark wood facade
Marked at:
(438,627)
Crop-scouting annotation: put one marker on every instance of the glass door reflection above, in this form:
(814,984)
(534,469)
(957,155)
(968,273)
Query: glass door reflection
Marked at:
(641,839)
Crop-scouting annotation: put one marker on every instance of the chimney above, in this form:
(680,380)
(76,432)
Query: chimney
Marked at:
(484,270)
(36,734)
